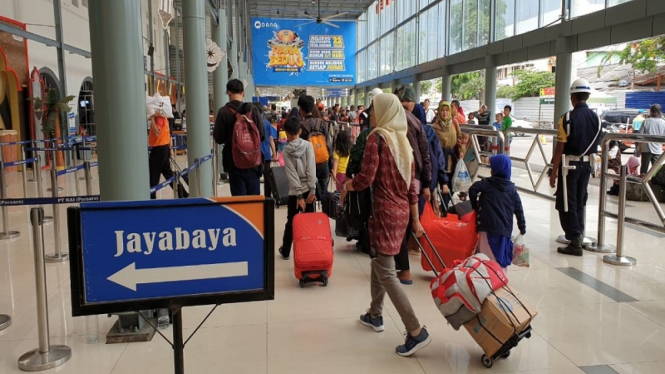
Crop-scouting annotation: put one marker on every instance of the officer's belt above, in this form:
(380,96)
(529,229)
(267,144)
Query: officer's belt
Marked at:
(571,158)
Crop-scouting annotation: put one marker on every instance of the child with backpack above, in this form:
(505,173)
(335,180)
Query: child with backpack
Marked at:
(341,158)
(495,208)
(300,166)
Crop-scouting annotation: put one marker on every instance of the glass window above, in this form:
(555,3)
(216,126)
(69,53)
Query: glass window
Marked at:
(387,18)
(527,15)
(387,53)
(405,9)
(484,13)
(372,23)
(425,39)
(582,7)
(470,24)
(551,12)
(505,19)
(425,3)
(611,3)
(362,31)
(361,68)
(407,54)
(456,26)
(372,62)
(438,27)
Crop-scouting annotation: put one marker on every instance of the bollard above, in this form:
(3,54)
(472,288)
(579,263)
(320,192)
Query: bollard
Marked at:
(618,258)
(6,233)
(46,356)
(24,178)
(87,174)
(77,187)
(33,145)
(197,173)
(40,187)
(58,256)
(215,173)
(176,183)
(53,167)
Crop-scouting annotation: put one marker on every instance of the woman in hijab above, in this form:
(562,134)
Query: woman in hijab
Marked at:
(498,202)
(450,137)
(388,167)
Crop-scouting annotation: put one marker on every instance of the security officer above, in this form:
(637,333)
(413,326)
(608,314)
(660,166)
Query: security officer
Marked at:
(579,134)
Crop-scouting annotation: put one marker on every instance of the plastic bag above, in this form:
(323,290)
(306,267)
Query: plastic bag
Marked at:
(462,178)
(158,103)
(520,252)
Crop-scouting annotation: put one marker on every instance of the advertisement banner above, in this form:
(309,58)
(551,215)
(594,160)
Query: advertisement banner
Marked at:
(291,52)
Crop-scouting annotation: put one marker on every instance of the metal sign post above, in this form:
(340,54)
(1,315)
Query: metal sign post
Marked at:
(47,356)
(132,256)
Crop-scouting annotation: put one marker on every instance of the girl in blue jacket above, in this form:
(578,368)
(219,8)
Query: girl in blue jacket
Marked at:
(495,208)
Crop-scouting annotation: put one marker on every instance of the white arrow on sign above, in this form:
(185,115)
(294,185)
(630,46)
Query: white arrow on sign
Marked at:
(130,276)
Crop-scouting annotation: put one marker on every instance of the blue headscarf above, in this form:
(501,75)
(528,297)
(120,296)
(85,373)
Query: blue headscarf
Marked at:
(500,165)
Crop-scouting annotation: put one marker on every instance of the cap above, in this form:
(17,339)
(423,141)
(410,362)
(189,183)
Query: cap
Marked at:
(641,111)
(406,93)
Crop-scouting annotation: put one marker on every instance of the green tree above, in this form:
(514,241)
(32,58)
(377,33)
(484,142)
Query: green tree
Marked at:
(530,82)
(643,56)
(438,84)
(466,86)
(425,86)
(505,92)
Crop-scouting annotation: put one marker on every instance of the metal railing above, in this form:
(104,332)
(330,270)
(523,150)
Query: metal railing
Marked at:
(474,131)
(537,143)
(643,181)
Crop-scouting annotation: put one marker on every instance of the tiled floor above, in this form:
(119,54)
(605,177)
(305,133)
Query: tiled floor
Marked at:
(316,330)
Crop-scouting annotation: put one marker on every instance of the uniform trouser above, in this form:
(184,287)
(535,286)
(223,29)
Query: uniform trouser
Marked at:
(322,178)
(159,164)
(577,182)
(384,280)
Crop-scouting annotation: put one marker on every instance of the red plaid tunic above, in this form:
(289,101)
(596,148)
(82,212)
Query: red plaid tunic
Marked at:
(391,199)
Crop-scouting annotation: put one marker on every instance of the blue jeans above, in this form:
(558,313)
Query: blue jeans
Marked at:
(245,182)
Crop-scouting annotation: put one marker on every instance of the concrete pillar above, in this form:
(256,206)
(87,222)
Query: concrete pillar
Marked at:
(123,141)
(196,76)
(233,50)
(490,87)
(221,75)
(366,102)
(416,87)
(564,59)
(446,87)
(356,97)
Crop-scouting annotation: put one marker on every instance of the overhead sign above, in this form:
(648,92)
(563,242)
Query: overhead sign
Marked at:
(130,256)
(303,53)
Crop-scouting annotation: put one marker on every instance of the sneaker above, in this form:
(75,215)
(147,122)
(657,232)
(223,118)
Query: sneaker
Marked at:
(281,253)
(413,343)
(375,323)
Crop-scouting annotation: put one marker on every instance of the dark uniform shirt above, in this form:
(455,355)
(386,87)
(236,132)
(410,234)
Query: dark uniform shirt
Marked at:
(580,132)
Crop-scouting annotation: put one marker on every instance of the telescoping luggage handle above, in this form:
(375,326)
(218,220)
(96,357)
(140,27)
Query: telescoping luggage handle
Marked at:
(422,250)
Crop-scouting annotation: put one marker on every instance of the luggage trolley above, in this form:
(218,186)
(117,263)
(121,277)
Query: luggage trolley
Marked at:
(512,342)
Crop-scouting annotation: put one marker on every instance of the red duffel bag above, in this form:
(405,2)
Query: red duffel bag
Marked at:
(454,238)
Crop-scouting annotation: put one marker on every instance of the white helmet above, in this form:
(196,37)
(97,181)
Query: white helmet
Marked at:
(376,91)
(580,85)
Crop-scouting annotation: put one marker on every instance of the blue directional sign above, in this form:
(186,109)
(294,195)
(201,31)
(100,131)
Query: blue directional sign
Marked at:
(137,255)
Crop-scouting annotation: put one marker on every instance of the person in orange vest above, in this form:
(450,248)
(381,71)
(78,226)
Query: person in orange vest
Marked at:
(159,162)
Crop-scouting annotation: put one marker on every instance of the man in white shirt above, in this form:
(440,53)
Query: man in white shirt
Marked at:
(654,125)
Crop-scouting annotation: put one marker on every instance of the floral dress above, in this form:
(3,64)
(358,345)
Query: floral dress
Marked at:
(392,200)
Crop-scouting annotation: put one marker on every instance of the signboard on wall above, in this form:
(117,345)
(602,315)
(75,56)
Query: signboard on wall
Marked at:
(290,52)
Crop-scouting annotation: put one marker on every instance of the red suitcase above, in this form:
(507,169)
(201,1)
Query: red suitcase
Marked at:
(312,248)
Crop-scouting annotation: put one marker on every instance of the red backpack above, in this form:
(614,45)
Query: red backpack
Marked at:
(246,142)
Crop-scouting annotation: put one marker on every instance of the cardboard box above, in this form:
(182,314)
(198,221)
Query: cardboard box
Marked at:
(504,314)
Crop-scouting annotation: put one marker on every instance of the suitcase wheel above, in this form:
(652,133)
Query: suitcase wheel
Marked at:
(506,355)
(302,283)
(487,361)
(325,281)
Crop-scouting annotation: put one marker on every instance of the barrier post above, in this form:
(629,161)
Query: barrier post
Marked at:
(618,258)
(53,167)
(40,187)
(197,173)
(76,171)
(87,174)
(176,183)
(33,145)
(6,233)
(215,171)
(47,356)
(58,256)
